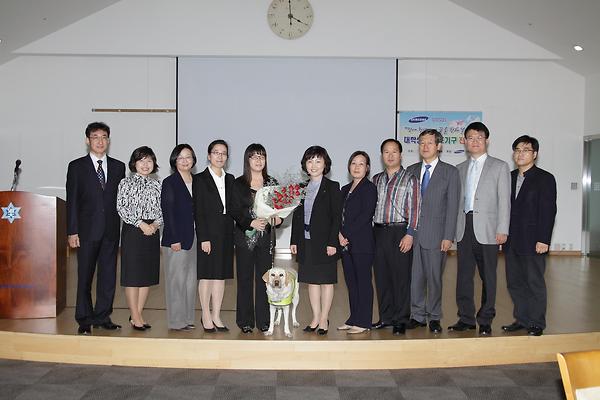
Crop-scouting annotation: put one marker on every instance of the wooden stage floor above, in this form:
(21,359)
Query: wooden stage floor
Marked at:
(573,324)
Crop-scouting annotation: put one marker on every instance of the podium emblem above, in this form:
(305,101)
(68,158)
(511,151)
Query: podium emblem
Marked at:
(11,213)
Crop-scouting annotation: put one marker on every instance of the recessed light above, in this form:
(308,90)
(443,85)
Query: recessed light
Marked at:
(577,48)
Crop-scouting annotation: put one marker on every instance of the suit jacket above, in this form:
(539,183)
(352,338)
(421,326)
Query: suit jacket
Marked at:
(324,224)
(532,212)
(439,203)
(491,206)
(178,212)
(358,210)
(208,208)
(91,211)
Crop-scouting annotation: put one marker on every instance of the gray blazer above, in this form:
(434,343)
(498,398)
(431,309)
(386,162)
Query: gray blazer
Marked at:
(491,207)
(438,205)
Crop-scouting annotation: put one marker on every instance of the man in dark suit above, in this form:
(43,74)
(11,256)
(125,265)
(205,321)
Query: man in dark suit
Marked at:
(440,192)
(93,227)
(532,213)
(481,227)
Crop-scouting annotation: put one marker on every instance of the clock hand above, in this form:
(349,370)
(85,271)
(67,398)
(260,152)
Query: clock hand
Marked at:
(290,16)
(299,21)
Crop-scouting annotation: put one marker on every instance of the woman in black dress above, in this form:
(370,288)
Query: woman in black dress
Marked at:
(138,204)
(315,229)
(211,193)
(252,241)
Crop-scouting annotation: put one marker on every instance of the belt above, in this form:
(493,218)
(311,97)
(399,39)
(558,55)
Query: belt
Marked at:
(390,224)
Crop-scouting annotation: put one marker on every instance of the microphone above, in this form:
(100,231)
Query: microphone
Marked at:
(17,164)
(16,176)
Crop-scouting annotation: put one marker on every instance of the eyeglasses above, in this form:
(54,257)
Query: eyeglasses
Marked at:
(98,138)
(184,158)
(523,151)
(476,138)
(218,154)
(258,157)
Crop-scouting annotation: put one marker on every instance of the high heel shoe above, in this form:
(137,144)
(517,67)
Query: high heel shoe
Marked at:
(136,327)
(207,330)
(222,328)
(146,326)
(310,328)
(322,332)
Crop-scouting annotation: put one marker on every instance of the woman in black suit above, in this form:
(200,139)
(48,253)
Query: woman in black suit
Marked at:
(359,199)
(252,241)
(211,192)
(315,228)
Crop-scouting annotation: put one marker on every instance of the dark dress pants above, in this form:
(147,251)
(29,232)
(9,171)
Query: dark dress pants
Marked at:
(250,267)
(527,288)
(357,273)
(102,253)
(471,253)
(392,274)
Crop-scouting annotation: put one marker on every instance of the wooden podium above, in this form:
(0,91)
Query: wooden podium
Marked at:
(33,255)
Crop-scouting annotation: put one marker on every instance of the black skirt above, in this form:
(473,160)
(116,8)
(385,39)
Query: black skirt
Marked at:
(140,257)
(218,264)
(317,274)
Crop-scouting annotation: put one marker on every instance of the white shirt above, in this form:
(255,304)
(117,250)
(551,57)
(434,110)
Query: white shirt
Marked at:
(433,164)
(104,164)
(220,182)
(474,180)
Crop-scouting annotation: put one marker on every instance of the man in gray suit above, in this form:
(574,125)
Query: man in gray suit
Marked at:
(440,192)
(482,226)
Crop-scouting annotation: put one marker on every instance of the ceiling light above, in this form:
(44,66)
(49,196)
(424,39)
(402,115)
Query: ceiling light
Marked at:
(577,48)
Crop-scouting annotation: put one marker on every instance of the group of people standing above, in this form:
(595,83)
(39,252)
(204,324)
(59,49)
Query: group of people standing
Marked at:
(400,225)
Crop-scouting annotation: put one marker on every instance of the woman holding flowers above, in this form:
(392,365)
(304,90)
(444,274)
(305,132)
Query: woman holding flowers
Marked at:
(315,229)
(252,241)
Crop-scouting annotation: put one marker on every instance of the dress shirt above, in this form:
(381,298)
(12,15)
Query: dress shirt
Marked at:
(476,165)
(104,164)
(520,180)
(398,199)
(138,199)
(433,164)
(309,200)
(220,182)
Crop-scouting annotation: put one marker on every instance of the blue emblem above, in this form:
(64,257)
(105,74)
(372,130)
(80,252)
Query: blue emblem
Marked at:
(11,213)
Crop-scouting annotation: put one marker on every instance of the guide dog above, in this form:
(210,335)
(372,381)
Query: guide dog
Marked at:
(282,291)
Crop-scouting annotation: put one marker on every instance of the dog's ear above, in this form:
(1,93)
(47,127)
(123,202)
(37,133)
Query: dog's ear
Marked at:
(288,278)
(266,276)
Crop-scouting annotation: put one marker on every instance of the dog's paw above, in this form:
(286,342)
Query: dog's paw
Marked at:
(296,324)
(288,334)
(277,322)
(269,333)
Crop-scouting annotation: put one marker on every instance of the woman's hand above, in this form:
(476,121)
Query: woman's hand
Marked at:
(259,224)
(176,247)
(294,249)
(343,241)
(205,246)
(331,250)
(147,229)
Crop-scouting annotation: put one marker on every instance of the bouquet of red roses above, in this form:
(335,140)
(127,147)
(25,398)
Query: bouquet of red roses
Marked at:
(277,200)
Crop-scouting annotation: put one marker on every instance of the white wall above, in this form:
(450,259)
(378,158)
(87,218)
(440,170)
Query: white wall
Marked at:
(540,99)
(592,105)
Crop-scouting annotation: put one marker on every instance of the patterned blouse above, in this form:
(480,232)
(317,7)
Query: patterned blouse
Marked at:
(139,199)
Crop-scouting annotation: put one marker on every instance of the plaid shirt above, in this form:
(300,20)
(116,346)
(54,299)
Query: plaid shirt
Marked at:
(398,199)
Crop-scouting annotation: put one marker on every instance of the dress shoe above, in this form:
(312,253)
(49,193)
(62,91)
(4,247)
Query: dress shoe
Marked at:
(191,326)
(435,327)
(461,326)
(485,330)
(413,323)
(246,329)
(535,331)
(264,328)
(136,327)
(515,326)
(184,329)
(109,326)
(344,327)
(310,328)
(147,326)
(399,329)
(84,330)
(222,328)
(380,325)
(357,329)
(322,331)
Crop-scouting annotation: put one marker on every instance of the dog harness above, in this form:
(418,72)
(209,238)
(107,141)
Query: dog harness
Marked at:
(286,301)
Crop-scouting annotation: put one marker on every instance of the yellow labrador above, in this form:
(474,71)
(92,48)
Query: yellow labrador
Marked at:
(282,291)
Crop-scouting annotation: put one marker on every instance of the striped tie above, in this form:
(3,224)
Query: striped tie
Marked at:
(100,173)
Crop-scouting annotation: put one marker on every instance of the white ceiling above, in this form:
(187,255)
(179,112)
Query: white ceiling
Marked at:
(555,25)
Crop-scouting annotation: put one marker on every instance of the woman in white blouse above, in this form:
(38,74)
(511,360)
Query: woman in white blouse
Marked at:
(138,204)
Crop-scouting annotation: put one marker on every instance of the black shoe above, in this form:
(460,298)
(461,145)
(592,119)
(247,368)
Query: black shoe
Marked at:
(413,323)
(399,329)
(310,328)
(209,330)
(222,328)
(380,325)
(515,326)
(137,328)
(84,330)
(435,327)
(535,331)
(322,332)
(485,330)
(191,326)
(264,328)
(461,326)
(246,329)
(147,326)
(109,326)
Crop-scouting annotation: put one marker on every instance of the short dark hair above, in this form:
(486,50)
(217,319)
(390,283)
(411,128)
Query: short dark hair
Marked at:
(390,140)
(97,126)
(535,145)
(216,142)
(479,127)
(434,132)
(319,152)
(360,153)
(138,154)
(254,148)
(177,151)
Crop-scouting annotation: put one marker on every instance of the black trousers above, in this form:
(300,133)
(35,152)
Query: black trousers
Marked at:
(102,253)
(471,253)
(357,273)
(527,288)
(251,290)
(392,275)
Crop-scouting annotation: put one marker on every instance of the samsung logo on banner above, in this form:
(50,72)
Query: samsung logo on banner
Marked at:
(416,120)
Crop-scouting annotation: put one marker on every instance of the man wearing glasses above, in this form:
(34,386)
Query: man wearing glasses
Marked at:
(93,227)
(533,210)
(482,226)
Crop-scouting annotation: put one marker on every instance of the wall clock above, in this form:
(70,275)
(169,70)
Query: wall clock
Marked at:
(290,19)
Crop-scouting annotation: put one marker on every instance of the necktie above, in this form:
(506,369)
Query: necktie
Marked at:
(471,186)
(100,173)
(425,181)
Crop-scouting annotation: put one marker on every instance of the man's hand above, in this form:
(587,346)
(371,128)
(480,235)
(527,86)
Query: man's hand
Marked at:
(541,248)
(406,243)
(73,241)
(446,244)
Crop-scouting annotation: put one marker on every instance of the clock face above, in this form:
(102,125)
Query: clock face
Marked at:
(290,19)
